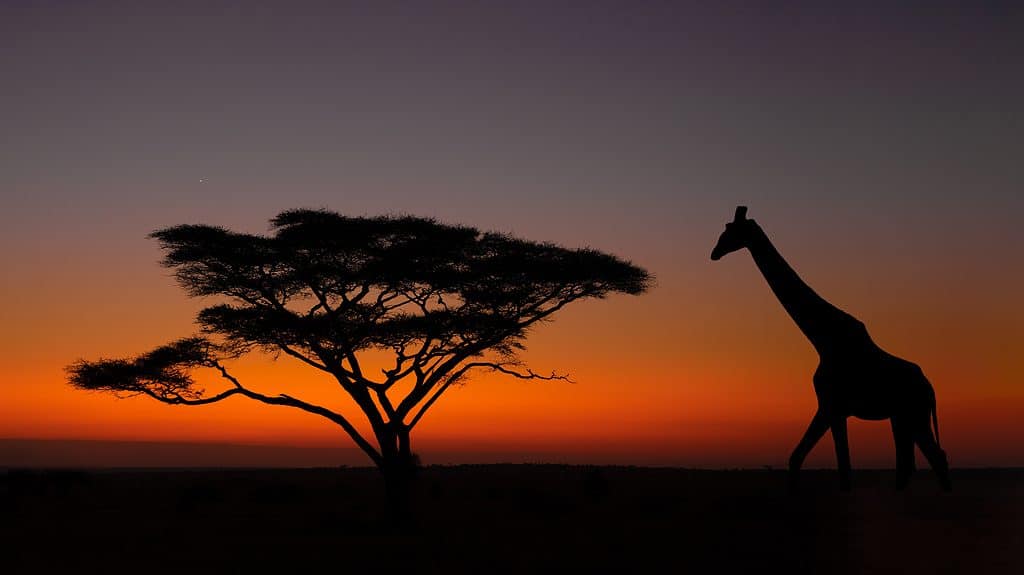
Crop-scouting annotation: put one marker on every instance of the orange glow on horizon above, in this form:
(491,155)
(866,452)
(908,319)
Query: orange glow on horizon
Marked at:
(705,370)
(706,416)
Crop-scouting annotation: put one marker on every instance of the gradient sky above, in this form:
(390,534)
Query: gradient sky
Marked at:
(881,147)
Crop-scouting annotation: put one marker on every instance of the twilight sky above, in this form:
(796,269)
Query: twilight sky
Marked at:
(881,148)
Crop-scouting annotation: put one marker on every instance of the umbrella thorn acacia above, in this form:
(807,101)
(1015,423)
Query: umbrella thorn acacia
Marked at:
(440,300)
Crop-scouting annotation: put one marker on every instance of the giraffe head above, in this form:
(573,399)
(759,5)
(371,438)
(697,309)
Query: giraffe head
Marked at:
(735,236)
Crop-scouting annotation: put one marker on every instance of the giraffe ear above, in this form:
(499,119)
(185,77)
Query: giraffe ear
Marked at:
(741,214)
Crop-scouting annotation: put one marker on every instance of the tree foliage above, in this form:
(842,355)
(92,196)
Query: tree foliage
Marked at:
(440,300)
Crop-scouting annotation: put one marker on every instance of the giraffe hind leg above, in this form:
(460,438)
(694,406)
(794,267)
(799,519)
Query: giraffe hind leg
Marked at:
(842,445)
(933,453)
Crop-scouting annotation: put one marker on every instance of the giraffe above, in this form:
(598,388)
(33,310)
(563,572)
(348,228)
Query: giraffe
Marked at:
(854,377)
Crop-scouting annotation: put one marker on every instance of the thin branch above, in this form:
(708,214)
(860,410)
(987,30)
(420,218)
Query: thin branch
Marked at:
(288,350)
(397,374)
(224,373)
(541,314)
(433,375)
(176,399)
(529,374)
(363,290)
(321,299)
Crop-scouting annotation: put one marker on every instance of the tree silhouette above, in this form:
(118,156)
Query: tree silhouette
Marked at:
(327,289)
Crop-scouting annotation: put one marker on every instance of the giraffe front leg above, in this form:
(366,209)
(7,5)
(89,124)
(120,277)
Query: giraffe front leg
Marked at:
(841,440)
(903,437)
(817,428)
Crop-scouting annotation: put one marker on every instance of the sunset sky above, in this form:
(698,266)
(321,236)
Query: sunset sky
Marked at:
(881,148)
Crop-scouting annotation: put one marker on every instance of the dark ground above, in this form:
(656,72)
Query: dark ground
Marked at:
(508,519)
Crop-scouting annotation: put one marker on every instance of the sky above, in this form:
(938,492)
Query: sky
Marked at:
(881,148)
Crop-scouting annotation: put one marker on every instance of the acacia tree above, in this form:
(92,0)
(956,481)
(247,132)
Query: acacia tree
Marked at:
(327,289)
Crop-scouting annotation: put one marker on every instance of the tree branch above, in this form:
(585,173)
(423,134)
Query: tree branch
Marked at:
(176,399)
(281,399)
(288,350)
(493,366)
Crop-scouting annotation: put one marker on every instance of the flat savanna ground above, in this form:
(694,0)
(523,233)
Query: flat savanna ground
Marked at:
(508,519)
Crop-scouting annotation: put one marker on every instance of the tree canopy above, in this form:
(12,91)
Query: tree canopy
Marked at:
(325,288)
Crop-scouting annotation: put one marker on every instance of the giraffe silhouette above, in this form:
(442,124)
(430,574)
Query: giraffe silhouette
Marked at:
(855,377)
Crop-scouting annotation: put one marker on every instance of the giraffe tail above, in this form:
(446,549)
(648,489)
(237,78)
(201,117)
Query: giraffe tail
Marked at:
(935,420)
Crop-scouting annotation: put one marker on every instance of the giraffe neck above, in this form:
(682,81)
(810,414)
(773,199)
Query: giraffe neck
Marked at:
(820,321)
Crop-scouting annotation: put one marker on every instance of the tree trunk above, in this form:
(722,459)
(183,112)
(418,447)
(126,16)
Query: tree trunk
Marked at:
(399,470)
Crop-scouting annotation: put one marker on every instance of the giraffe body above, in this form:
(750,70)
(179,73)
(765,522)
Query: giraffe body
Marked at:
(855,377)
